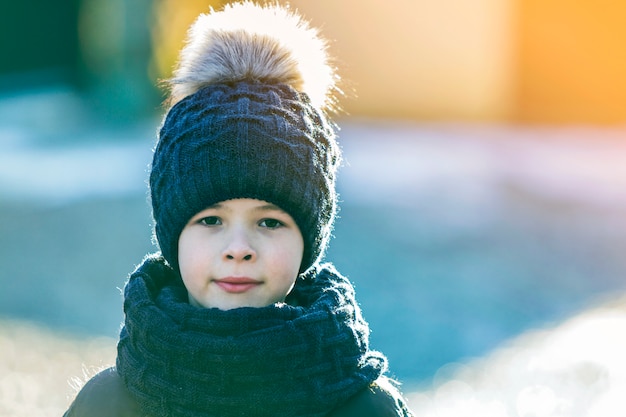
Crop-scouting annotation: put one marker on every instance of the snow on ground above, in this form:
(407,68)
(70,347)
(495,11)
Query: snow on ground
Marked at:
(577,369)
(51,144)
(576,164)
(382,160)
(80,171)
(52,151)
(39,369)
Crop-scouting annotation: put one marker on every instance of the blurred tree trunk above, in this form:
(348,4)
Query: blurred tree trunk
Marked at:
(115,41)
(129,46)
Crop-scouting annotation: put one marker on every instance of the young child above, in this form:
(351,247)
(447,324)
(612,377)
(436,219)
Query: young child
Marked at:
(237,316)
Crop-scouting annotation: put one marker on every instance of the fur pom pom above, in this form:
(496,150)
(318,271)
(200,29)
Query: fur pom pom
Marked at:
(246,41)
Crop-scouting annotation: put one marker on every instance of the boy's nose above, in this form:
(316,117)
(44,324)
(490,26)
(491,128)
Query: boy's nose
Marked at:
(239,248)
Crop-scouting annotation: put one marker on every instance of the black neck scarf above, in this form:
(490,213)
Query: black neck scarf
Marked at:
(301,358)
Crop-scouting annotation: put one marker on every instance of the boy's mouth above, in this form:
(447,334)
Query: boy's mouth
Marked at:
(236,285)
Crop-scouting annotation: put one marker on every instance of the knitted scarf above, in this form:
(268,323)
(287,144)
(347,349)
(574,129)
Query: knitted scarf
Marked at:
(301,358)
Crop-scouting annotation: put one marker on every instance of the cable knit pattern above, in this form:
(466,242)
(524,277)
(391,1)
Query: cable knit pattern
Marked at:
(245,140)
(301,358)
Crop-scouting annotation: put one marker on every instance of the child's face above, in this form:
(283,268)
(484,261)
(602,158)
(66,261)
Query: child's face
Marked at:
(240,253)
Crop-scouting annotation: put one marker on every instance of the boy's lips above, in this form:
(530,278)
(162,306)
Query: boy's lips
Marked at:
(236,285)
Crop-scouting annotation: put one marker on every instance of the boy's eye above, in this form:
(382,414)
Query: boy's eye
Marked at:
(210,221)
(271,223)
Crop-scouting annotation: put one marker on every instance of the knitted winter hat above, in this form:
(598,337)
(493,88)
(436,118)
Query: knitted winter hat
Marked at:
(248,120)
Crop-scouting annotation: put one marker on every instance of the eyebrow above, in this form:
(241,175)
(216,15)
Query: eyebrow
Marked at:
(264,207)
(269,207)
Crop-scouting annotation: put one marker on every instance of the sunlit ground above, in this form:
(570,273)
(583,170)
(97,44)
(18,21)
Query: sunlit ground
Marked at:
(575,369)
(39,368)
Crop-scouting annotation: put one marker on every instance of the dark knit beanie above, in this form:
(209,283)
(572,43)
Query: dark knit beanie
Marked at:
(248,120)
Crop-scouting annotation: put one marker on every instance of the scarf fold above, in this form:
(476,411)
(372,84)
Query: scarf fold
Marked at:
(301,358)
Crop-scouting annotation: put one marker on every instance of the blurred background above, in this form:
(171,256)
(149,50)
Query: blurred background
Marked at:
(482,194)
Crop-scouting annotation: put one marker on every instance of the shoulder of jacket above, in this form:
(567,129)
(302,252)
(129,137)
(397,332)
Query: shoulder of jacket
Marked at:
(103,395)
(380,399)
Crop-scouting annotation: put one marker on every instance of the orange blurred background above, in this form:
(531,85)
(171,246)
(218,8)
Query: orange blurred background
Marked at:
(501,61)
(571,61)
(505,61)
